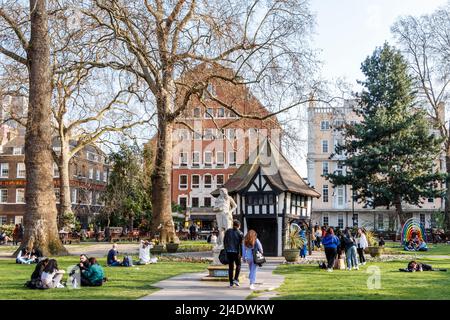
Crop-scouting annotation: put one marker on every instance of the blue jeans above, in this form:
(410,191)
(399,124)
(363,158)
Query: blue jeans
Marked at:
(115,264)
(252,267)
(350,254)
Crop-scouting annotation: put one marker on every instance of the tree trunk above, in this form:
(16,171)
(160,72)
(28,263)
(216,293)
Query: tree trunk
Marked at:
(447,193)
(65,204)
(40,215)
(399,209)
(162,221)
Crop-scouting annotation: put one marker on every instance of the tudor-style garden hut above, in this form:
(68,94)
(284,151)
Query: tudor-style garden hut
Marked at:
(270,195)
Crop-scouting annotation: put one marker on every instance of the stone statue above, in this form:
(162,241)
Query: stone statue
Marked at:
(224,208)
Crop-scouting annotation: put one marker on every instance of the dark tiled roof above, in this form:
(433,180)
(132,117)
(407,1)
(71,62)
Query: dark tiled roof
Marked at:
(277,170)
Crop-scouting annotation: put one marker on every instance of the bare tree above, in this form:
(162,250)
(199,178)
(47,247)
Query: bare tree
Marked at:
(177,48)
(425,42)
(86,103)
(33,52)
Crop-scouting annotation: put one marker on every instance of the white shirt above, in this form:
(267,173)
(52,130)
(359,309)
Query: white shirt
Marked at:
(362,241)
(144,253)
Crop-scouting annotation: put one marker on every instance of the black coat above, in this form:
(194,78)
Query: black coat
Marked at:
(232,241)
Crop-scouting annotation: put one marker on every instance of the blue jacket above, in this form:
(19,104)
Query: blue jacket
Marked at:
(330,241)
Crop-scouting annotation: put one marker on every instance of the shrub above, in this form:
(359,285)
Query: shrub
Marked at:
(8,229)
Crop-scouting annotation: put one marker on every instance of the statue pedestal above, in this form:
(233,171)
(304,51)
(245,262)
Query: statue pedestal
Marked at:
(217,270)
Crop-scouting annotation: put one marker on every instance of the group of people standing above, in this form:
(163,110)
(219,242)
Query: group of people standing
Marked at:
(239,247)
(352,245)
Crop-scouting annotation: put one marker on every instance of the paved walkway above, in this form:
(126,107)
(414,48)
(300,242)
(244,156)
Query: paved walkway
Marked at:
(190,286)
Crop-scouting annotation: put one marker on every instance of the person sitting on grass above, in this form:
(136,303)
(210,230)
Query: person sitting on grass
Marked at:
(24,256)
(84,262)
(51,275)
(414,266)
(92,276)
(35,281)
(381,243)
(144,253)
(4,238)
(112,260)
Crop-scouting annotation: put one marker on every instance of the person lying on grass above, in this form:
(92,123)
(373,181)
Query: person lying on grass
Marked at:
(414,266)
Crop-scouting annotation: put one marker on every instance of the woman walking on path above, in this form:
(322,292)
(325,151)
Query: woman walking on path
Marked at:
(350,250)
(361,241)
(318,234)
(251,243)
(302,235)
(330,243)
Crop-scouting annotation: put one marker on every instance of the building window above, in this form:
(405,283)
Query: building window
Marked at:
(195,202)
(219,179)
(73,195)
(220,158)
(21,171)
(221,113)
(195,181)
(17,151)
(325,168)
(340,221)
(183,159)
(340,195)
(325,220)
(4,170)
(339,143)
(91,173)
(97,175)
(20,195)
(325,193)
(4,196)
(105,176)
(197,135)
(355,219)
(195,159)
(3,220)
(231,134)
(325,125)
(339,169)
(57,195)
(183,182)
(208,158)
(208,134)
(324,146)
(232,158)
(208,180)
(422,219)
(197,112)
(380,221)
(182,202)
(207,202)
(55,171)
(211,90)
(209,113)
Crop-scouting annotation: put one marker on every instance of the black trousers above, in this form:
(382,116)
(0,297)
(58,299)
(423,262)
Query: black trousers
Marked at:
(361,255)
(233,258)
(330,253)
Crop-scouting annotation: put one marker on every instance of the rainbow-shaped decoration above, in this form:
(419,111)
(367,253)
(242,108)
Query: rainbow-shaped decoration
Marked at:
(412,226)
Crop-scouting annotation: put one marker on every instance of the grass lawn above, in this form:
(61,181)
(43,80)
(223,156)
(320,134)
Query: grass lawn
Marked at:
(123,283)
(433,249)
(305,282)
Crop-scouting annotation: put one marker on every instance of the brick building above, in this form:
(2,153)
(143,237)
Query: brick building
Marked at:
(88,173)
(204,159)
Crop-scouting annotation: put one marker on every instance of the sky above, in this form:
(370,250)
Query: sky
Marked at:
(347,31)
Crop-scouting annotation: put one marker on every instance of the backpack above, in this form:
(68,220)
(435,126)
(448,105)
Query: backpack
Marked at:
(127,261)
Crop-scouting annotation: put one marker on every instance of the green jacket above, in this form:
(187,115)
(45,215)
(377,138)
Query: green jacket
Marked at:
(94,274)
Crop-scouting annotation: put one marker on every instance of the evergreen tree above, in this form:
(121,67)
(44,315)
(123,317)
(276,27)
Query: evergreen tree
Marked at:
(390,156)
(128,192)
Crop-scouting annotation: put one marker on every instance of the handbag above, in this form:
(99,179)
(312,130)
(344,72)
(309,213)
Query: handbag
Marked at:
(223,258)
(258,257)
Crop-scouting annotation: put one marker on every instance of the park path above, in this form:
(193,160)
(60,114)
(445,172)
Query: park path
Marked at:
(189,286)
